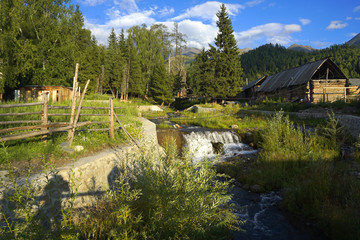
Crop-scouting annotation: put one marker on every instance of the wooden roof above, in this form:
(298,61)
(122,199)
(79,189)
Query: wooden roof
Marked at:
(253,83)
(301,75)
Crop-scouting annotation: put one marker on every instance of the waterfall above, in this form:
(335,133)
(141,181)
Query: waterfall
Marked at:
(206,144)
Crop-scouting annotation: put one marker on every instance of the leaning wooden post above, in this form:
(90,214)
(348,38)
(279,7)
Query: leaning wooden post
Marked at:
(44,115)
(77,115)
(111,117)
(74,98)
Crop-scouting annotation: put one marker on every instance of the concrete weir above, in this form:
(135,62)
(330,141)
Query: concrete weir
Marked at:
(88,177)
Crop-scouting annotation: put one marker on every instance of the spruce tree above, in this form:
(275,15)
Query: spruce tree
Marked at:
(227,62)
(136,82)
(160,88)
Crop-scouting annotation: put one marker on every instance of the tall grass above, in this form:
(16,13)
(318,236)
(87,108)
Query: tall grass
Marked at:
(305,166)
(166,197)
(162,196)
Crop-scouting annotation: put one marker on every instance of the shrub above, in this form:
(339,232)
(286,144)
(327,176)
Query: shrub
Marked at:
(166,197)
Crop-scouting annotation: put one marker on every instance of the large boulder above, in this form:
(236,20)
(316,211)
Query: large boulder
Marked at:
(146,108)
(198,109)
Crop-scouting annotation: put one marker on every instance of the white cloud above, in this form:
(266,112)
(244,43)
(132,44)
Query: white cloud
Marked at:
(92,2)
(356,9)
(304,21)
(254,3)
(357,18)
(272,32)
(166,11)
(348,18)
(336,25)
(132,19)
(208,10)
(118,21)
(352,34)
(127,5)
(198,34)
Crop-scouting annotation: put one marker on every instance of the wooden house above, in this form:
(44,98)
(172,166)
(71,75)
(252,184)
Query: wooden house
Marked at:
(319,81)
(56,93)
(249,91)
(355,85)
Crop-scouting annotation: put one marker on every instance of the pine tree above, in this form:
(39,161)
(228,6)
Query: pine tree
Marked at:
(113,64)
(160,88)
(135,81)
(227,63)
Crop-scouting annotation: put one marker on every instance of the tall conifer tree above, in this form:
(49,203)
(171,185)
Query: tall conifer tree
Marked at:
(227,62)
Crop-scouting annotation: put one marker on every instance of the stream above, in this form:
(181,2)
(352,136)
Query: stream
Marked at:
(263,219)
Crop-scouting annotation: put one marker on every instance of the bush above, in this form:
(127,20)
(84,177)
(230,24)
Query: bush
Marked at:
(166,197)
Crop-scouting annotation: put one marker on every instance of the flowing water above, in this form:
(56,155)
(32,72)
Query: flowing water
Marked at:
(263,219)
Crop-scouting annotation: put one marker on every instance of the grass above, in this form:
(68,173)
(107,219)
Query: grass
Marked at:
(223,118)
(164,197)
(276,104)
(35,148)
(306,167)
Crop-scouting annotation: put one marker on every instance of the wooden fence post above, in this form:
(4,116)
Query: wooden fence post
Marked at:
(111,116)
(74,98)
(345,94)
(44,114)
(72,131)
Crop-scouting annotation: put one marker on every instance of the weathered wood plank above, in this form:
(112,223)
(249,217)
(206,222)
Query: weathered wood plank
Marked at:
(20,105)
(21,122)
(19,114)
(38,133)
(32,127)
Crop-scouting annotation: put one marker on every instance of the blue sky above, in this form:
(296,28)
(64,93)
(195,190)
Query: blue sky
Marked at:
(318,23)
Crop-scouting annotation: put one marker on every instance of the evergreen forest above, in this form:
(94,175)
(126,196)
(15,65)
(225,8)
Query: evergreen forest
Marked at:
(270,59)
(42,40)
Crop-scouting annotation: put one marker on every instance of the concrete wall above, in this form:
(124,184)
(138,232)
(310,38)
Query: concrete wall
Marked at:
(89,177)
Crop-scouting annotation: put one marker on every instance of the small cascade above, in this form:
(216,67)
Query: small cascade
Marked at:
(210,144)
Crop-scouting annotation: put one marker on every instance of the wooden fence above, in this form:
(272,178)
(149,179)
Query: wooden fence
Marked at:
(331,94)
(45,127)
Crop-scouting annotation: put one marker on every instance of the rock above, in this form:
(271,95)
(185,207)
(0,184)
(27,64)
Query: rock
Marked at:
(256,188)
(198,109)
(218,147)
(65,147)
(78,148)
(153,108)
(234,126)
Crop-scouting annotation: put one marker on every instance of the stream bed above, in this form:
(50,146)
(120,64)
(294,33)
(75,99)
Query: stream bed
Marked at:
(262,216)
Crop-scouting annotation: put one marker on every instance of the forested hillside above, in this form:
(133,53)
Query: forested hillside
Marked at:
(270,59)
(41,41)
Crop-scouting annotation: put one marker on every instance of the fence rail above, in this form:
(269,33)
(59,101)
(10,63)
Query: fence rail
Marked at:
(45,127)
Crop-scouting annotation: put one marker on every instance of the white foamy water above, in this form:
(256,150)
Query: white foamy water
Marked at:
(200,144)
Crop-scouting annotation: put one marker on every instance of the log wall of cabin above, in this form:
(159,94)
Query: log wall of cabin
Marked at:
(327,90)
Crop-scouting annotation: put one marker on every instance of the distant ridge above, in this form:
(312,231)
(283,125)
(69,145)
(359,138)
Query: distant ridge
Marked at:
(355,41)
(244,50)
(302,48)
(191,52)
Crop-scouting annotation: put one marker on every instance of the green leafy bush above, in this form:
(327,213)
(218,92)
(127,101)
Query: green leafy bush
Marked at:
(166,197)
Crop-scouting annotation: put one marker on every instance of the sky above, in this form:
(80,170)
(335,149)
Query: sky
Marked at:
(317,23)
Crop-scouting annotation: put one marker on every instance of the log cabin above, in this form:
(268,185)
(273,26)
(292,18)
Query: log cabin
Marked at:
(56,93)
(319,81)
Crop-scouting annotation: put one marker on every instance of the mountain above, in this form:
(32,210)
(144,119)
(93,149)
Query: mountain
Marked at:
(355,41)
(191,52)
(301,48)
(243,50)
